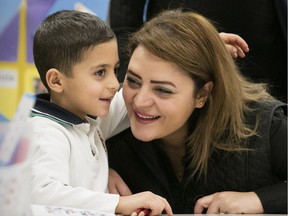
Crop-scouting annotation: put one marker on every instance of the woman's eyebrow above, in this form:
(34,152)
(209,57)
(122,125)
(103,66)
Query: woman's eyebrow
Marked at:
(133,73)
(152,81)
(163,82)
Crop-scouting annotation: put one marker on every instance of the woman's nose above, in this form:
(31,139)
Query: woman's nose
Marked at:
(143,98)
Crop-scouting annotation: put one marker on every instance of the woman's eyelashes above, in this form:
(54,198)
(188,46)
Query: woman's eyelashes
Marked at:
(134,83)
(163,90)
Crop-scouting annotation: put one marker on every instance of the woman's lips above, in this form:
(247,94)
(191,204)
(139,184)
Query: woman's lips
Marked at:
(145,118)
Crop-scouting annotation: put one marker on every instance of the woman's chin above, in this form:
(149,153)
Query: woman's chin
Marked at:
(140,135)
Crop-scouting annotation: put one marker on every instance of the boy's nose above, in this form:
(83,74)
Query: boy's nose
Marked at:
(114,83)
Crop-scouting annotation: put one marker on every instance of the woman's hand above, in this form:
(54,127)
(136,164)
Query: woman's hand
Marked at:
(234,44)
(116,185)
(229,203)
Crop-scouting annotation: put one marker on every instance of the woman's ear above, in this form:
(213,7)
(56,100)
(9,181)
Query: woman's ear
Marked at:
(53,79)
(203,94)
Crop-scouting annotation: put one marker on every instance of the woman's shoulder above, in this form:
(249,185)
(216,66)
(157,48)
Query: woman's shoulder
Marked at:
(268,115)
(263,113)
(268,106)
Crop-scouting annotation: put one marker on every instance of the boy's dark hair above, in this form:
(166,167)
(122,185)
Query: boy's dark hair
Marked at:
(63,37)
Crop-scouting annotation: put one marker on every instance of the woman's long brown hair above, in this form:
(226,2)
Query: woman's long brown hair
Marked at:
(192,42)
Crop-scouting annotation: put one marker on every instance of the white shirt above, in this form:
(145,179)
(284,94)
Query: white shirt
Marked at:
(69,158)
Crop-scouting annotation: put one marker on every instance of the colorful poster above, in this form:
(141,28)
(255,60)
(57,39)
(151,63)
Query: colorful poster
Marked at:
(36,11)
(9,29)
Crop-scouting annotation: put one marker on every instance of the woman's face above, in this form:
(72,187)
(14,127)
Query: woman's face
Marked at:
(158,96)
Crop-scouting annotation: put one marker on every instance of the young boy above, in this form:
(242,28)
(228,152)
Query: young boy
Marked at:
(76,56)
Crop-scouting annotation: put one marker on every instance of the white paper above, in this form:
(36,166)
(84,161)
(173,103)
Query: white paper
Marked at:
(38,210)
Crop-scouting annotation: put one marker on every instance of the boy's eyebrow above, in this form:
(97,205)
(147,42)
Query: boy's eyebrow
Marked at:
(105,65)
(152,81)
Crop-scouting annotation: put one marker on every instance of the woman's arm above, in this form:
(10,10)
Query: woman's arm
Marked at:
(116,184)
(117,119)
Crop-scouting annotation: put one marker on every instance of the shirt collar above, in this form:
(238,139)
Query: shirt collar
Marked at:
(44,107)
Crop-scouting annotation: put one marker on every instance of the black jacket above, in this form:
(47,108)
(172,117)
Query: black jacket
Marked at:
(261,23)
(145,167)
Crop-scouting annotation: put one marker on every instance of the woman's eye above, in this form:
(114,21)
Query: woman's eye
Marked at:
(100,73)
(163,91)
(132,82)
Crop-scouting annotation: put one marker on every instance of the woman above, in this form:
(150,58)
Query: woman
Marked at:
(201,135)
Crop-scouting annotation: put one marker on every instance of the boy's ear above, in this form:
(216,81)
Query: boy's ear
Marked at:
(53,78)
(203,94)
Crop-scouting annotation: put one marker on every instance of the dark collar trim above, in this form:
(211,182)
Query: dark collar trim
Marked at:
(44,107)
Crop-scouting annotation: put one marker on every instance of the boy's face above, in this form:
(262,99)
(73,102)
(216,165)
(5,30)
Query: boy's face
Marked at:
(93,83)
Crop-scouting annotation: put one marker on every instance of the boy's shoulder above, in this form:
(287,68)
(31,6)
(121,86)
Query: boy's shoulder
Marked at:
(42,119)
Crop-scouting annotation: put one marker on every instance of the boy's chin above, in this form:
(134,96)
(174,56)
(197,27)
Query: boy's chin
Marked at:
(95,115)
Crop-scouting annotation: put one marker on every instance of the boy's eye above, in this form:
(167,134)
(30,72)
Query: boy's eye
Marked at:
(100,73)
